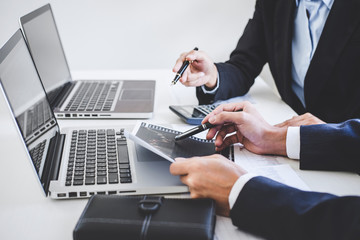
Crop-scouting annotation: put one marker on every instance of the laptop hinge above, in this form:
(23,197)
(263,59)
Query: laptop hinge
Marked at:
(53,161)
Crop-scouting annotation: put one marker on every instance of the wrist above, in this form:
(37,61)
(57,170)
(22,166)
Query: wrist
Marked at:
(277,141)
(211,84)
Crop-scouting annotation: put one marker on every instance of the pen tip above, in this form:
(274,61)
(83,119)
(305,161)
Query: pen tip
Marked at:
(173,82)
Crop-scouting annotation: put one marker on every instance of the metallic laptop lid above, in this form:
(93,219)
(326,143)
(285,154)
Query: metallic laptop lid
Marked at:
(28,102)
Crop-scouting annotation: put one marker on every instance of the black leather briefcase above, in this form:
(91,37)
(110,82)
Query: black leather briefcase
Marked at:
(143,217)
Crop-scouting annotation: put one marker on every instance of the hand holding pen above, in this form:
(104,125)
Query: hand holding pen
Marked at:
(247,127)
(182,69)
(204,126)
(201,70)
(242,123)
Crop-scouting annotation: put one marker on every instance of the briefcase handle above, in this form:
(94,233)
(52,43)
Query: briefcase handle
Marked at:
(148,206)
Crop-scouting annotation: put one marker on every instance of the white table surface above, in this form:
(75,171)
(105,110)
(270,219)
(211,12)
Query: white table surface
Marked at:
(25,213)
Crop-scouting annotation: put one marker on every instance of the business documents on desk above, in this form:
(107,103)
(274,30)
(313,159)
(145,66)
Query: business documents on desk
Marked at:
(76,162)
(86,98)
(161,140)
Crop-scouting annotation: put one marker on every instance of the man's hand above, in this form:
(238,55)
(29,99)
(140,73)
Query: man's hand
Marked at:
(209,177)
(202,70)
(305,119)
(246,127)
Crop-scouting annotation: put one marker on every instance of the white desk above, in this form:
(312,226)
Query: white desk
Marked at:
(25,213)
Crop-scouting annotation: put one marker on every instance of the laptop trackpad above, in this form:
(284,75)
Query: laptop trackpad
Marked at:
(145,155)
(136,94)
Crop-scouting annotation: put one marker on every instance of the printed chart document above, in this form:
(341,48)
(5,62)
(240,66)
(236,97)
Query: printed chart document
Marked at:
(161,140)
(268,166)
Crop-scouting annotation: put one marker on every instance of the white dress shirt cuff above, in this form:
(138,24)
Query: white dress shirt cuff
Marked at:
(213,91)
(238,186)
(293,142)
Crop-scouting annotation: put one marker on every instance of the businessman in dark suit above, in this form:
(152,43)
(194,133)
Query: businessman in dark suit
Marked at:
(312,48)
(265,207)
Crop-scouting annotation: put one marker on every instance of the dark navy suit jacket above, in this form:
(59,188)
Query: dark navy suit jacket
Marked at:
(276,211)
(332,82)
(334,147)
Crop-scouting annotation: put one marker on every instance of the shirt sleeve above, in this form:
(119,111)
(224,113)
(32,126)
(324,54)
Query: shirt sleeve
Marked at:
(213,91)
(293,142)
(238,186)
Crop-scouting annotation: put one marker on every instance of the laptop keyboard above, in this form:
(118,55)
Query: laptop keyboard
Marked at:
(37,154)
(98,157)
(93,96)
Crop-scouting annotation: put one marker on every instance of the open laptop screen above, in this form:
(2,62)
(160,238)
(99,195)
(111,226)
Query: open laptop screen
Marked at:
(27,99)
(45,46)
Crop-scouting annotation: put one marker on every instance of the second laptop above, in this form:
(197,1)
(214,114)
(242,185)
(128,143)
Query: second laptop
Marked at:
(85,98)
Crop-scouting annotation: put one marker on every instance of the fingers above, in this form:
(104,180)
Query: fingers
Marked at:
(230,107)
(179,167)
(212,132)
(201,71)
(187,168)
(227,118)
(309,119)
(219,109)
(192,79)
(190,56)
(209,177)
(305,119)
(179,62)
(233,107)
(225,130)
(281,125)
(220,144)
(225,114)
(223,139)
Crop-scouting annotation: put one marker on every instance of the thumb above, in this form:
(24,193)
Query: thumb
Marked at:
(180,159)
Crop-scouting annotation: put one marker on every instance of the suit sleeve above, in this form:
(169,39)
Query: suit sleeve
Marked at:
(275,211)
(334,147)
(246,62)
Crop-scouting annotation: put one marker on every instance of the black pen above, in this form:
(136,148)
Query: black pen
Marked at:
(182,70)
(194,131)
(197,129)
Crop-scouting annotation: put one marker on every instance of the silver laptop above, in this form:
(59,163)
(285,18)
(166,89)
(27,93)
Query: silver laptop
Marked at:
(73,162)
(85,98)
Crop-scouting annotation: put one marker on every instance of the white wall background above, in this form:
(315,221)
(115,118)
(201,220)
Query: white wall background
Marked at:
(137,34)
